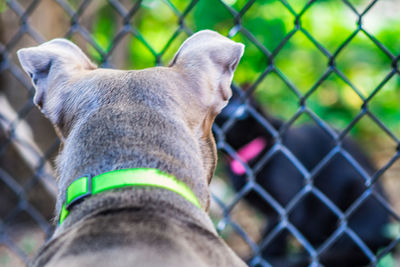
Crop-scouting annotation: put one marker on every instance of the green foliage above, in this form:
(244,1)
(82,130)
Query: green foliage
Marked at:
(328,23)
(103,28)
(387,261)
(3,6)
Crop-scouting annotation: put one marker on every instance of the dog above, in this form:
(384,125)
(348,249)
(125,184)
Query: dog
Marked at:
(137,154)
(338,180)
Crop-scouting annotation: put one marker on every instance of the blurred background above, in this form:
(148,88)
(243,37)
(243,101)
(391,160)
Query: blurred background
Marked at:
(329,63)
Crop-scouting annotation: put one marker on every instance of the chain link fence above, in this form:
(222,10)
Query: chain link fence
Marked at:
(275,207)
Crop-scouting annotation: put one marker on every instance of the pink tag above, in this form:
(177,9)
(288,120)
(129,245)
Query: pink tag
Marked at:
(247,153)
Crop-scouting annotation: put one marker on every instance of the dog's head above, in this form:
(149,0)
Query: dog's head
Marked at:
(68,85)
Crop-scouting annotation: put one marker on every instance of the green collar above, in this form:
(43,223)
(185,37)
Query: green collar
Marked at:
(138,177)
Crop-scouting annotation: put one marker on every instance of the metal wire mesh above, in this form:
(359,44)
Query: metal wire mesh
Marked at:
(17,140)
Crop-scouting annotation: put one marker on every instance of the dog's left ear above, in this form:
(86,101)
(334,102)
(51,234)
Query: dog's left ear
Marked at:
(209,60)
(51,62)
(51,66)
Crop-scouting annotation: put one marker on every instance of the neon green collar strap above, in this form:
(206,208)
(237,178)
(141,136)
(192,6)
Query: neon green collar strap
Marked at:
(138,177)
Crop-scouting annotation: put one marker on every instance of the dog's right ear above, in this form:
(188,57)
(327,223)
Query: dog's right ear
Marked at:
(50,65)
(209,60)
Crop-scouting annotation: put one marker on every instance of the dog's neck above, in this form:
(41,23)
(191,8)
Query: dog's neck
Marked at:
(141,199)
(129,137)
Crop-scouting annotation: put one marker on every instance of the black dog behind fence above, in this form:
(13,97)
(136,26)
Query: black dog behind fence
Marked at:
(321,199)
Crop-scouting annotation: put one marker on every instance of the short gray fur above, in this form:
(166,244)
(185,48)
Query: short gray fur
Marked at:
(112,119)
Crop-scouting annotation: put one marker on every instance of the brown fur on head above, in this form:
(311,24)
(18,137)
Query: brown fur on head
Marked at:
(186,96)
